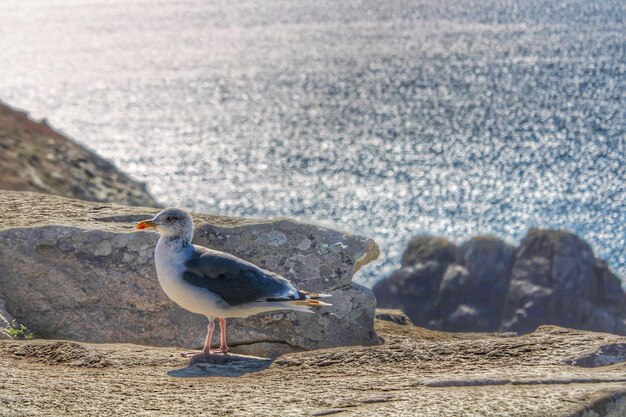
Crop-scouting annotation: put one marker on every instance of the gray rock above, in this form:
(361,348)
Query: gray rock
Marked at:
(410,289)
(78,270)
(557,280)
(488,261)
(452,289)
(442,286)
(552,278)
(393,315)
(429,248)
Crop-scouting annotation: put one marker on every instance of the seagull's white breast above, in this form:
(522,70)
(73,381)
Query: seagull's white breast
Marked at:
(170,265)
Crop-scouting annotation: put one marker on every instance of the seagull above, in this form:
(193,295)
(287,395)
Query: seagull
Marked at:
(216,284)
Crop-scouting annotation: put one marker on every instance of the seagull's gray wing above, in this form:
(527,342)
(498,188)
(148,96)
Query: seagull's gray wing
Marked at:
(235,280)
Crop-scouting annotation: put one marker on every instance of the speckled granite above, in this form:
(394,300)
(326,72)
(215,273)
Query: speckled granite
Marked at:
(77,270)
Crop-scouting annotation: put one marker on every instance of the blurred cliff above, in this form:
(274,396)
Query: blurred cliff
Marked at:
(35,157)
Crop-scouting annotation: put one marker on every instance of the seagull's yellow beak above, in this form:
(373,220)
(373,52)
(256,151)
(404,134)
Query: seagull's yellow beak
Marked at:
(146,224)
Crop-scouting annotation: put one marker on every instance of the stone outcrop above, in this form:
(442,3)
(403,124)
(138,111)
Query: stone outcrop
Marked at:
(76,270)
(393,315)
(556,279)
(553,372)
(489,285)
(35,157)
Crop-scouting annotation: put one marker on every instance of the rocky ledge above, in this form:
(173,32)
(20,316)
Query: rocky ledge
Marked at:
(551,372)
(76,270)
(35,157)
(485,284)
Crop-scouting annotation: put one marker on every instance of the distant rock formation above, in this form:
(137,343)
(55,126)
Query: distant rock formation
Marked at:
(76,270)
(486,285)
(34,157)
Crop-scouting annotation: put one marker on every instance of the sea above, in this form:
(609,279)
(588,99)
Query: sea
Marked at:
(384,118)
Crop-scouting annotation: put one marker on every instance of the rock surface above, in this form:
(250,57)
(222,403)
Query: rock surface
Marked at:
(34,157)
(488,285)
(77,270)
(416,372)
(394,316)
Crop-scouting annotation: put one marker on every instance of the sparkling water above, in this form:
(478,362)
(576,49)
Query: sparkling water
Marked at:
(388,119)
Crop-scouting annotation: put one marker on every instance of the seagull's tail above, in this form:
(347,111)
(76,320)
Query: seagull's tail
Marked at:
(310,303)
(306,306)
(301,301)
(311,299)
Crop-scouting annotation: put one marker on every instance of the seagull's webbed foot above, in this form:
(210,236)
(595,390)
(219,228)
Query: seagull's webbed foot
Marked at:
(223,349)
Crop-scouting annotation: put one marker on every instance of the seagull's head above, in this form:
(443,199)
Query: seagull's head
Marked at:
(171,223)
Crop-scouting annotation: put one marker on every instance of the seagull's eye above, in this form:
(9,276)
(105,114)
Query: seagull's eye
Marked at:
(170,218)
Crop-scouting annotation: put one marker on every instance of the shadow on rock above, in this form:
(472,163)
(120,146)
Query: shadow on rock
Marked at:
(603,356)
(221,365)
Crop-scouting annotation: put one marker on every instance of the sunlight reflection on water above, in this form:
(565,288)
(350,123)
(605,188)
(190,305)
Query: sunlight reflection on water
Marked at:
(388,120)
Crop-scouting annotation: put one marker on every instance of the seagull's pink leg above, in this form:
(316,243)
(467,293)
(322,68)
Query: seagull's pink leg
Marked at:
(209,336)
(223,346)
(207,342)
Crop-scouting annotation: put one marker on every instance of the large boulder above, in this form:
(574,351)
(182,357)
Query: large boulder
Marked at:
(557,280)
(424,263)
(76,270)
(477,285)
(443,286)
(409,290)
(422,249)
(489,285)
